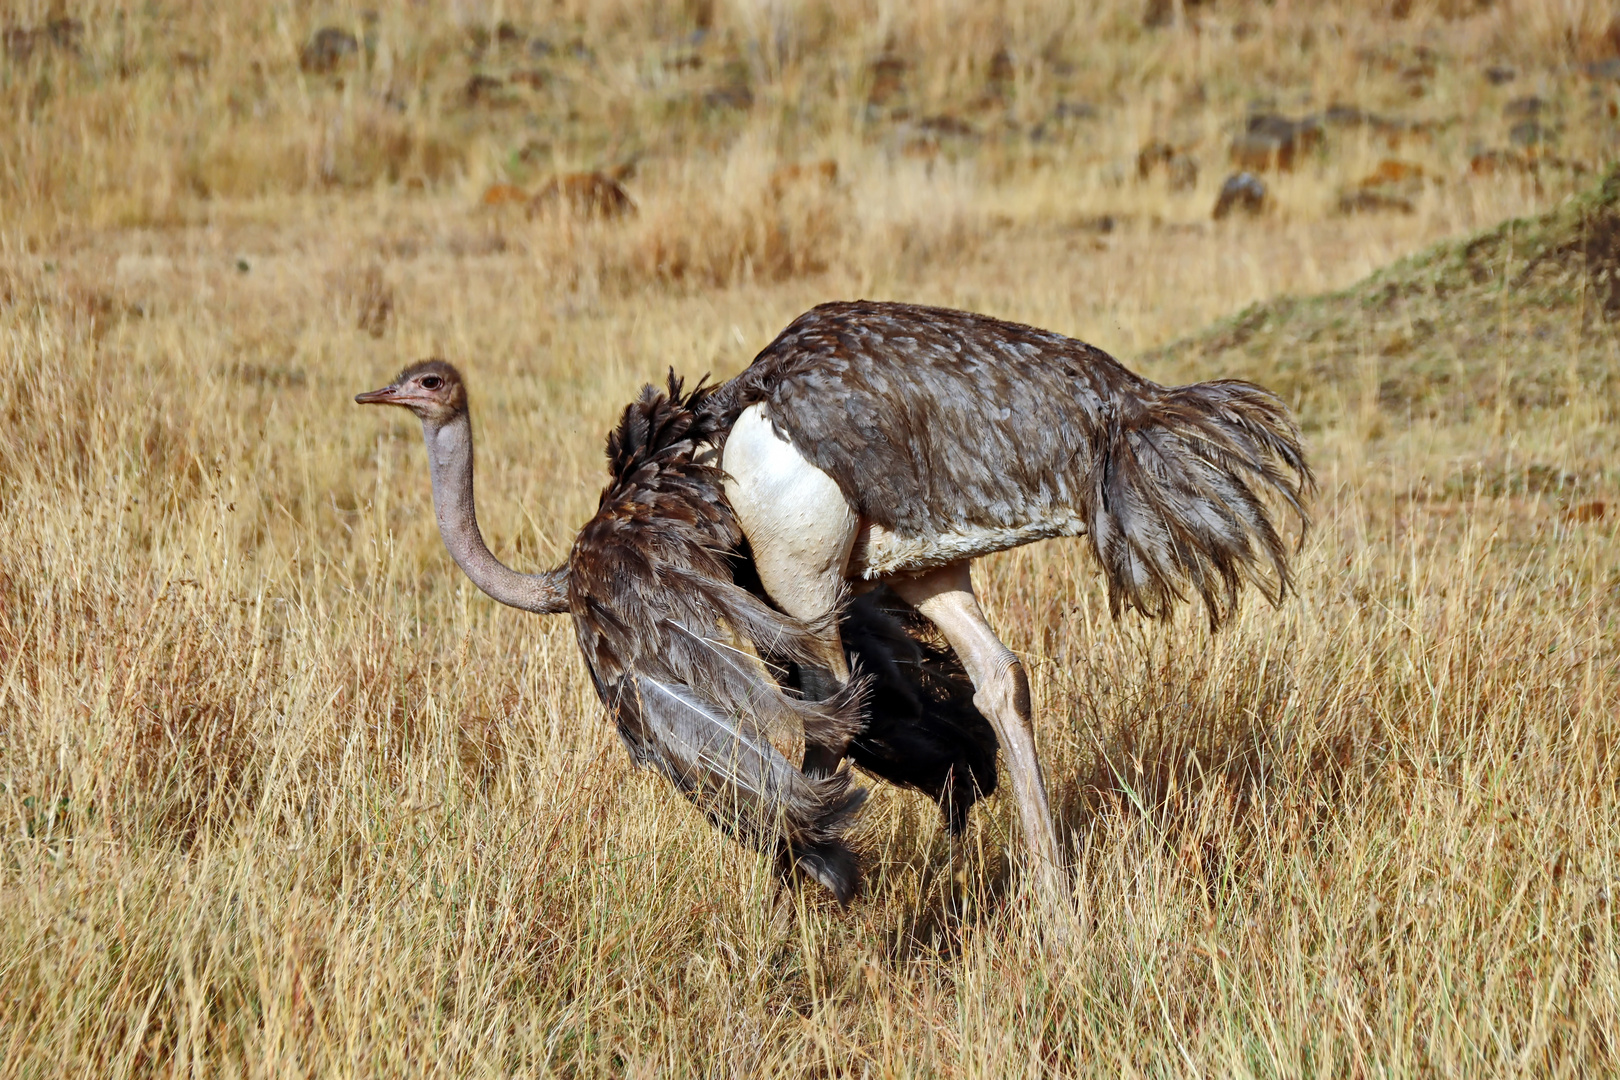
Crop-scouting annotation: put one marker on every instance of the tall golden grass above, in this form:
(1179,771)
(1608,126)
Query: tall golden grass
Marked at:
(282,794)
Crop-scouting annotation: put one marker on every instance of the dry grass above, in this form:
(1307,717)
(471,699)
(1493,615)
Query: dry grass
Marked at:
(281,794)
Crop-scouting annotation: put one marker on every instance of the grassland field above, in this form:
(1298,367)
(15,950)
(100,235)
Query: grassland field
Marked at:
(282,794)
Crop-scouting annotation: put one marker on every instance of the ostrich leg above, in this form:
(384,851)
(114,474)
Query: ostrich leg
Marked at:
(801,530)
(945,597)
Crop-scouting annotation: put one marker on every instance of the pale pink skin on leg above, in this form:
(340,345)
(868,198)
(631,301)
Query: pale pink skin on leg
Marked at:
(799,525)
(802,531)
(945,597)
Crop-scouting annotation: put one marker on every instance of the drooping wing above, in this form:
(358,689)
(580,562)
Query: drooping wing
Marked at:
(681,655)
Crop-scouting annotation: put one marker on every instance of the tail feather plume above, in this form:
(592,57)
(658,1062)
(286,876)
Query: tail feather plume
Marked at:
(688,662)
(1177,496)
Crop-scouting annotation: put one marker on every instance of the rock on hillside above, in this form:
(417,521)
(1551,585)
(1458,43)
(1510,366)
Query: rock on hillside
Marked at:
(1523,316)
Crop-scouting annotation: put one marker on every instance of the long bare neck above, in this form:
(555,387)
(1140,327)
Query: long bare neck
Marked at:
(450,456)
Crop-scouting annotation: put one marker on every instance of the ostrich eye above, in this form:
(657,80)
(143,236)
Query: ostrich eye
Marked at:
(432,382)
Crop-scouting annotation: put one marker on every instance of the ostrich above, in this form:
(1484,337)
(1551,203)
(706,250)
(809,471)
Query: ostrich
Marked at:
(874,448)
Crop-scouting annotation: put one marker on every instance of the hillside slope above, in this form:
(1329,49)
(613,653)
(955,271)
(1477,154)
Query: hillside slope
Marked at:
(1520,317)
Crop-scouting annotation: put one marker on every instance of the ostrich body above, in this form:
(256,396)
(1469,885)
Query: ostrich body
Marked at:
(874,445)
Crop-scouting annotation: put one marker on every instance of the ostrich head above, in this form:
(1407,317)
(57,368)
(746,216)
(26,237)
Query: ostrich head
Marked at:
(432,389)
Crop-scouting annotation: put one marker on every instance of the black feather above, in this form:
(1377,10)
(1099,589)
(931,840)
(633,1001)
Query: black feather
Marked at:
(922,730)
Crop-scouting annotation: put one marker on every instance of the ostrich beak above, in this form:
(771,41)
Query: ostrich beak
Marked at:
(388,395)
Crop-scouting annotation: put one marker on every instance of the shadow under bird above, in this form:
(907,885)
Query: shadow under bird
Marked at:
(874,450)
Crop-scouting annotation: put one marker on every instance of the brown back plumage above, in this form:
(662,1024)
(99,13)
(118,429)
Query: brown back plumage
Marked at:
(933,421)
